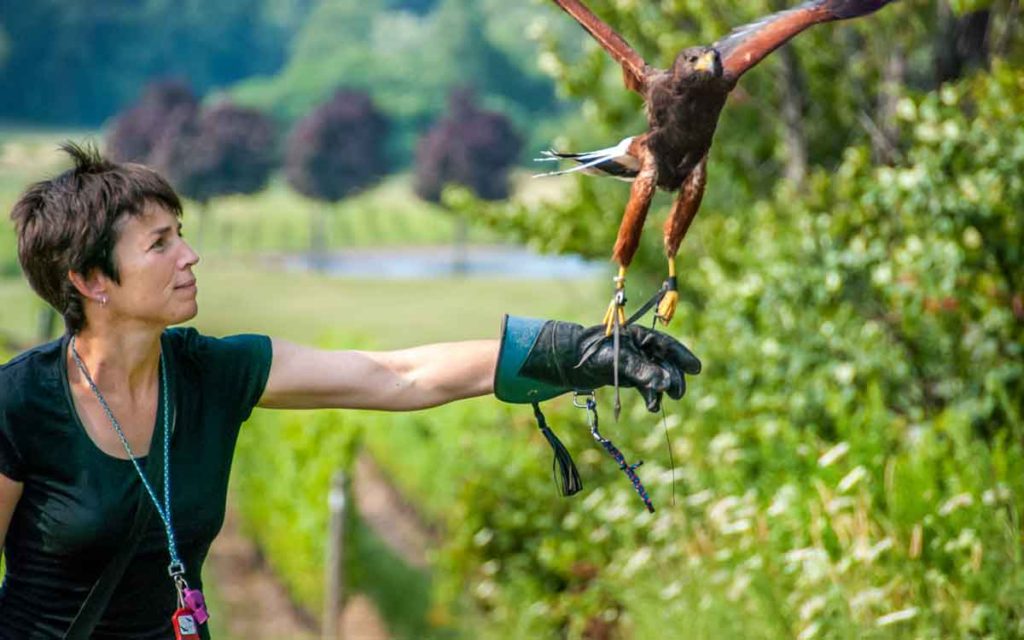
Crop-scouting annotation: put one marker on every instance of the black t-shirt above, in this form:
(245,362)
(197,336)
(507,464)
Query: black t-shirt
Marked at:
(78,503)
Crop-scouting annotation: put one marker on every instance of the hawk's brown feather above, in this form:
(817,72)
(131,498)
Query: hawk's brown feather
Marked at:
(633,65)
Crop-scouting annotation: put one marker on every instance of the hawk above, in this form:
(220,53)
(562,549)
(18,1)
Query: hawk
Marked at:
(682,104)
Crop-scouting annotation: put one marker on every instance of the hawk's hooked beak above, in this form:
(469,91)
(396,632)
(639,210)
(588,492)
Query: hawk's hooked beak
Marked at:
(706,62)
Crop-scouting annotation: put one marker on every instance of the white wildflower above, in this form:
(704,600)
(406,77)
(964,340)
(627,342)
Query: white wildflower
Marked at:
(672,421)
(671,590)
(844,373)
(594,500)
(972,238)
(868,554)
(719,512)
(485,589)
(832,281)
(491,567)
(539,609)
(958,501)
(827,329)
(699,498)
(967,539)
(722,442)
(549,64)
(834,454)
(842,503)
(906,109)
(636,562)
(998,494)
(482,537)
(812,607)
(811,562)
(783,500)
(851,479)
(867,598)
(738,526)
(882,274)
(537,28)
(769,429)
(617,512)
(897,616)
(707,403)
(738,587)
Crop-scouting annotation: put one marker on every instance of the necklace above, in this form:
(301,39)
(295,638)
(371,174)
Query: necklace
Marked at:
(191,599)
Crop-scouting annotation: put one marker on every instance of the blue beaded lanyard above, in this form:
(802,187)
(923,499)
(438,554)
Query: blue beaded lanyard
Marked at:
(629,469)
(176,569)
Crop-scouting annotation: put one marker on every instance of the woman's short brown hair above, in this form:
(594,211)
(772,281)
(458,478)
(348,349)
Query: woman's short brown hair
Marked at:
(72,222)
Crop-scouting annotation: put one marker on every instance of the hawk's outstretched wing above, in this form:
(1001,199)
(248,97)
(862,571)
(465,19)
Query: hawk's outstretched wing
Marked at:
(633,65)
(749,44)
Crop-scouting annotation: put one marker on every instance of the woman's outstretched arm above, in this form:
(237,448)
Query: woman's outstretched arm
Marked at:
(416,378)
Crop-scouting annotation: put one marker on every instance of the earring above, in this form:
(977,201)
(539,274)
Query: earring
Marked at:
(103,301)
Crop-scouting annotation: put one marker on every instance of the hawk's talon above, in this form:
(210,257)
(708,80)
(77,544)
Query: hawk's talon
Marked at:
(616,313)
(669,300)
(667,306)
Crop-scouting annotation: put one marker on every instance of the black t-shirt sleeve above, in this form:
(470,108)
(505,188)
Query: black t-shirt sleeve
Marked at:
(236,367)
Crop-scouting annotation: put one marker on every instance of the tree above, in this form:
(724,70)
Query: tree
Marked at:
(335,151)
(470,147)
(224,149)
(164,110)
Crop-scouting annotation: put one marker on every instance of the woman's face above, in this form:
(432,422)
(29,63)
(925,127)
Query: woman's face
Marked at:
(155,266)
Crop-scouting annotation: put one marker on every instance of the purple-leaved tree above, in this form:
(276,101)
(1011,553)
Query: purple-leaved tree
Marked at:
(470,147)
(222,150)
(164,108)
(334,152)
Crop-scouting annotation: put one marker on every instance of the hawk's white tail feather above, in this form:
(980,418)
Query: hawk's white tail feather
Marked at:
(617,156)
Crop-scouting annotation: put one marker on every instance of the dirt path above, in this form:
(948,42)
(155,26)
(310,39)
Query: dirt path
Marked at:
(257,606)
(390,517)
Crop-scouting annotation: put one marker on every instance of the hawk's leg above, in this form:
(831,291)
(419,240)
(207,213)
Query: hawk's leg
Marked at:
(683,211)
(628,239)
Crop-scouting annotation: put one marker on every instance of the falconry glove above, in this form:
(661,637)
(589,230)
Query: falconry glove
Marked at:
(540,359)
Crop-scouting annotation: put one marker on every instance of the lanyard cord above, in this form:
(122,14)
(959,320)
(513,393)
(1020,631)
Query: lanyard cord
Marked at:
(176,569)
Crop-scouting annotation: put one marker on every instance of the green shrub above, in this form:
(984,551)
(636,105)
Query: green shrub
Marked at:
(849,464)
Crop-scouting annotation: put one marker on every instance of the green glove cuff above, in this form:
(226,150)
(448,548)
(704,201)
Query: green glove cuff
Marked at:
(518,336)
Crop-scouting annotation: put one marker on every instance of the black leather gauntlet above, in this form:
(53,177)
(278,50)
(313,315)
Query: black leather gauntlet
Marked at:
(568,357)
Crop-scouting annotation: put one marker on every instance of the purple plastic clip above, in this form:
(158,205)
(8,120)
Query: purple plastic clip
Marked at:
(195,601)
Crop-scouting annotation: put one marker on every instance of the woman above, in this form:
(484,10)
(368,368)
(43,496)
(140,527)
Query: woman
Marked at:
(116,441)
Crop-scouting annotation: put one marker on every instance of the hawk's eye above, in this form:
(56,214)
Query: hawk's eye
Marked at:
(693,58)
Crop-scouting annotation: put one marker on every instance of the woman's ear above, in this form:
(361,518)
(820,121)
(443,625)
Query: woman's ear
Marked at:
(91,287)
